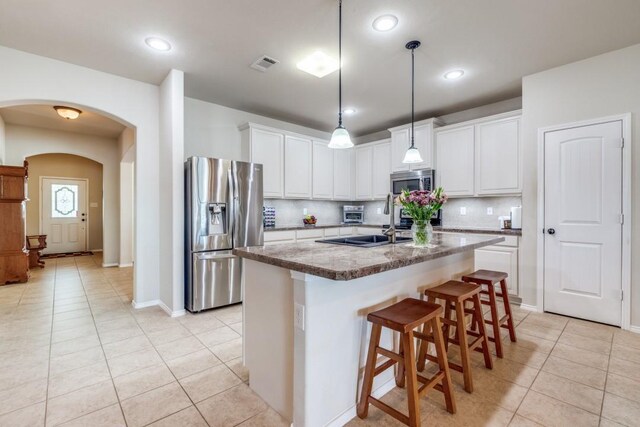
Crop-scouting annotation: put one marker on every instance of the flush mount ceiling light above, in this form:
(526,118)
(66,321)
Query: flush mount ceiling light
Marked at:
(340,137)
(412,155)
(318,64)
(158,44)
(349,111)
(68,113)
(385,23)
(453,74)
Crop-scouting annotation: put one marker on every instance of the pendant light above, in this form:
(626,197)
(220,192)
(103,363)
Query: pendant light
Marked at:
(412,155)
(340,137)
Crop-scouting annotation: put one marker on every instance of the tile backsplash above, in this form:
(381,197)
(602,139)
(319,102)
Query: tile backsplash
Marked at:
(476,211)
(290,212)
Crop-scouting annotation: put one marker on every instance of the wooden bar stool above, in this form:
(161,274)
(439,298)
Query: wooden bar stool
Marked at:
(404,317)
(455,295)
(488,279)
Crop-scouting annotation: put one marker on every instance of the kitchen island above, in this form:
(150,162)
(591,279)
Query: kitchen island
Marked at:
(305,307)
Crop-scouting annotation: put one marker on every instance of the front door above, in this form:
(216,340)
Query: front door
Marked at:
(583,222)
(64,214)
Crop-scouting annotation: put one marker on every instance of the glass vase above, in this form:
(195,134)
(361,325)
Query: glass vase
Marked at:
(422,232)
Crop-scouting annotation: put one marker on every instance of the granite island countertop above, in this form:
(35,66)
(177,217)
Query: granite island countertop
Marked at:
(340,262)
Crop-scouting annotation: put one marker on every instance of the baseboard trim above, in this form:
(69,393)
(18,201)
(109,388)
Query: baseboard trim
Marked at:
(130,264)
(351,413)
(145,304)
(109,264)
(528,307)
(95,250)
(176,313)
(634,329)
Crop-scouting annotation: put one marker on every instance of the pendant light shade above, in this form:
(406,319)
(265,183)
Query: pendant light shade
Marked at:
(412,155)
(340,137)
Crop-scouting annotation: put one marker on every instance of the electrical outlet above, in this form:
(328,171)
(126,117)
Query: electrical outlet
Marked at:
(379,211)
(463,210)
(489,211)
(304,211)
(298,316)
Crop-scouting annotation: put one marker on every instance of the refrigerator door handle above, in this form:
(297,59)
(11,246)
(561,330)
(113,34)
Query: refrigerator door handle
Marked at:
(209,255)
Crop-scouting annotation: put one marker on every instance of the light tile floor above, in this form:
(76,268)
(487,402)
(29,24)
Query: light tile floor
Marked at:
(73,352)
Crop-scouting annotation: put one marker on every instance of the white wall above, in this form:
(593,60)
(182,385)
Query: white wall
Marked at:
(211,130)
(127,153)
(2,142)
(32,79)
(172,193)
(601,86)
(24,141)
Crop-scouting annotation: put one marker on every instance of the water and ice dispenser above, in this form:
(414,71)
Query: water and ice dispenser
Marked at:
(217,221)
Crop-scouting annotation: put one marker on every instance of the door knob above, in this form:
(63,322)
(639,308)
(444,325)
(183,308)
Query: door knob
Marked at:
(551,231)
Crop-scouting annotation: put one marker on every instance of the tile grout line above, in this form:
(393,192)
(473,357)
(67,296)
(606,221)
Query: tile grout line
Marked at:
(606,378)
(53,312)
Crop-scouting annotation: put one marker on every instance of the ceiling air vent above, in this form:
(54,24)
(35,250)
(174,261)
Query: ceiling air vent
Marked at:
(263,63)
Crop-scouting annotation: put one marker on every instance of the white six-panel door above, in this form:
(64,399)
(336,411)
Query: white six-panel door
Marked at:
(64,214)
(583,222)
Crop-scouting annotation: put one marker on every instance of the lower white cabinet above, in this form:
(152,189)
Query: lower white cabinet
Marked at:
(500,258)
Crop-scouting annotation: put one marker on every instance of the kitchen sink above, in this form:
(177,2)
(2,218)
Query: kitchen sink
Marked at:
(364,241)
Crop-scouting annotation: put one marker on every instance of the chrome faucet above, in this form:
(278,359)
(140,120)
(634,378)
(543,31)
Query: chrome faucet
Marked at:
(389,210)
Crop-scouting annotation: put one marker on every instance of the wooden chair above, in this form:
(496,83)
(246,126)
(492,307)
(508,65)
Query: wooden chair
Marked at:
(455,295)
(404,317)
(488,279)
(35,245)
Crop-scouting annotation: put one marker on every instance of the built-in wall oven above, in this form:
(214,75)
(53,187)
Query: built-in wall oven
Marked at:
(353,214)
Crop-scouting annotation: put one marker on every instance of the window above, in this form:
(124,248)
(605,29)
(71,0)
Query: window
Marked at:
(64,201)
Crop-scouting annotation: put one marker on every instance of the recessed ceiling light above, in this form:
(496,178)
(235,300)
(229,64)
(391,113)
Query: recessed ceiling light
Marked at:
(453,74)
(318,64)
(158,44)
(385,23)
(349,110)
(68,113)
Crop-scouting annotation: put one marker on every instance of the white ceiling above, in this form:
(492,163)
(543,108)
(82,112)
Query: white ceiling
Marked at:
(44,116)
(497,42)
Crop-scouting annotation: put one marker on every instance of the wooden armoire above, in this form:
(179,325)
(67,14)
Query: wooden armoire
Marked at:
(14,257)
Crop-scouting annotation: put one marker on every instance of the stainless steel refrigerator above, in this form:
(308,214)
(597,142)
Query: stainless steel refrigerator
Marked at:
(223,209)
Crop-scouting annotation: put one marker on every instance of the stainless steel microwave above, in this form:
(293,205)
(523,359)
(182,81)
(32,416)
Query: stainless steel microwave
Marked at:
(353,214)
(423,179)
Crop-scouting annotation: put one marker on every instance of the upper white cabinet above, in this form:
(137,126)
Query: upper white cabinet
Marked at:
(381,169)
(399,146)
(364,177)
(498,157)
(481,157)
(267,148)
(322,170)
(343,167)
(297,167)
(423,140)
(455,160)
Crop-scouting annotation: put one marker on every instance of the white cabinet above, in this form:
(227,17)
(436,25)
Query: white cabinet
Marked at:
(297,167)
(381,169)
(481,157)
(322,170)
(342,174)
(267,148)
(400,142)
(501,257)
(364,178)
(498,157)
(455,160)
(399,146)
